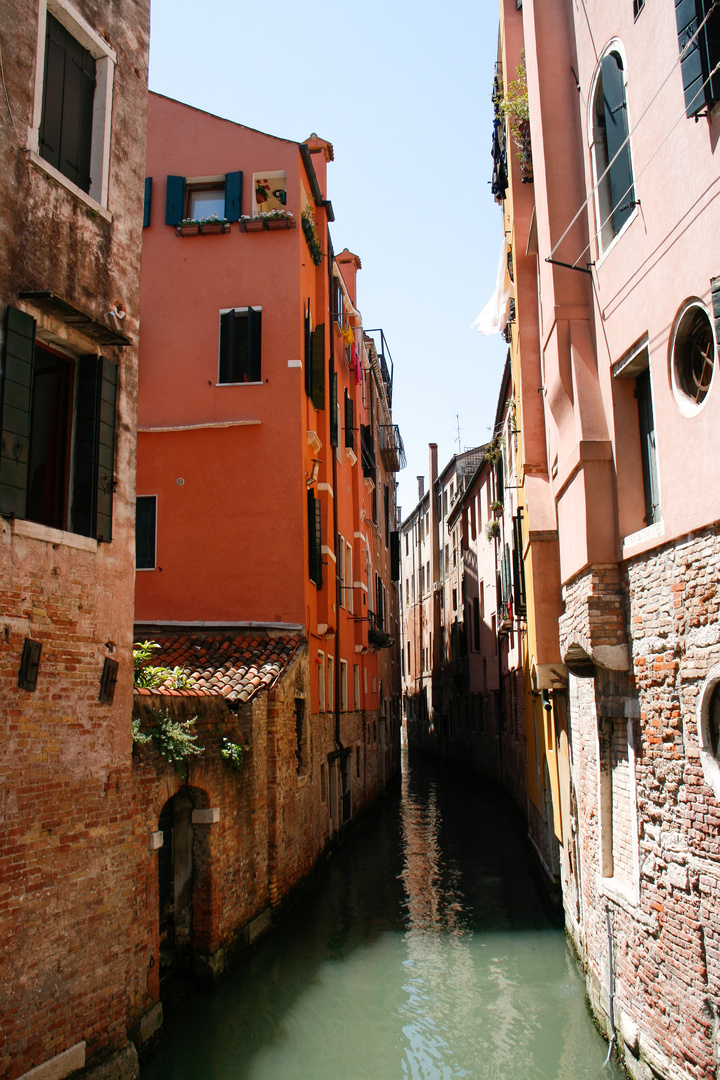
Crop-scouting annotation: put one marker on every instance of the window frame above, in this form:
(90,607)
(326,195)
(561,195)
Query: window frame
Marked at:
(687,405)
(105,62)
(154,500)
(606,233)
(239,312)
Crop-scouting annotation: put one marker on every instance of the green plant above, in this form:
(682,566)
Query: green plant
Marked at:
(274,215)
(311,236)
(233,752)
(492,529)
(514,104)
(496,507)
(172,738)
(145,675)
(379,638)
(179,679)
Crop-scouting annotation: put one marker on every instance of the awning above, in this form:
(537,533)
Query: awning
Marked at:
(65,312)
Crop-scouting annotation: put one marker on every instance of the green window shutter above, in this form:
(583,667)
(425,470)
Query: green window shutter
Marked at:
(147,206)
(314,540)
(648,450)
(175,200)
(68,96)
(93,477)
(395,556)
(699,86)
(254,331)
(518,567)
(227,348)
(318,366)
(233,195)
(715,291)
(16,396)
(349,415)
(622,191)
(333,409)
(308,351)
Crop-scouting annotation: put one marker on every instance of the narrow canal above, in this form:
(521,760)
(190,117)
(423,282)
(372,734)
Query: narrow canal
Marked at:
(427,953)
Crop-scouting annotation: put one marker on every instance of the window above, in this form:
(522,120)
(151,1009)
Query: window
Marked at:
(343,686)
(331,684)
(270,192)
(637,466)
(638,5)
(240,345)
(314,360)
(203,196)
(314,539)
(71,128)
(701,80)
(356,685)
(349,578)
(321,681)
(58,434)
(341,567)
(300,734)
(145,532)
(615,191)
(693,355)
(349,421)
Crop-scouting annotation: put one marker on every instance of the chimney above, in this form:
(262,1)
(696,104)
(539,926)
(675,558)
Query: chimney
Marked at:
(421,487)
(433,464)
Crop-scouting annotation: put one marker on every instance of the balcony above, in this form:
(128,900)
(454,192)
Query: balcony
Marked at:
(392,450)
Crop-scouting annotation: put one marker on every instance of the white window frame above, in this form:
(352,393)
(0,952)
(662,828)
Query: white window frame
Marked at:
(105,61)
(330,683)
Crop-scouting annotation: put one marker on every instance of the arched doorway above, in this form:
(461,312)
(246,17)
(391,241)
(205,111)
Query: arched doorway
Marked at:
(175,884)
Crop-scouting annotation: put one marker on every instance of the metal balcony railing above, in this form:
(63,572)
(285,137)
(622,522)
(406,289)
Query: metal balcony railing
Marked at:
(392,450)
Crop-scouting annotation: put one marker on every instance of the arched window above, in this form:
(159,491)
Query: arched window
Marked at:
(615,198)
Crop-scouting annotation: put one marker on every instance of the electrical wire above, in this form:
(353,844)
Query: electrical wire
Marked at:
(642,116)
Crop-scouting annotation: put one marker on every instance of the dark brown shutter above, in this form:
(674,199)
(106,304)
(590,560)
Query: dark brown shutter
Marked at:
(395,556)
(16,395)
(93,477)
(254,339)
(227,348)
(314,540)
(318,366)
(349,417)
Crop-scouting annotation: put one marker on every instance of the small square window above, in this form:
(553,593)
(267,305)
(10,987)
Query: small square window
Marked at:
(205,200)
(240,345)
(270,192)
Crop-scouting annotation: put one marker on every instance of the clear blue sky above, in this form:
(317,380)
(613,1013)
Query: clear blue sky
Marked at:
(402,90)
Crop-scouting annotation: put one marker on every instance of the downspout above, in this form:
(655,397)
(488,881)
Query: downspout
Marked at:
(611,988)
(333,451)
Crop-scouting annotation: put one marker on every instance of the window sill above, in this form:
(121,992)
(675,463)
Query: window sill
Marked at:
(622,893)
(632,543)
(244,383)
(32,531)
(50,170)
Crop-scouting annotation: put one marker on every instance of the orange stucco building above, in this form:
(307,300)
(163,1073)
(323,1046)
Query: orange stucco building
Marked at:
(266,449)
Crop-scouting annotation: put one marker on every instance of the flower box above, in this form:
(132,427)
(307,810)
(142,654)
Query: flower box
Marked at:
(187,230)
(280,223)
(252,225)
(214,228)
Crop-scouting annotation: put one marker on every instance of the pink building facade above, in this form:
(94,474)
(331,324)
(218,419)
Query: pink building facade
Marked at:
(624,128)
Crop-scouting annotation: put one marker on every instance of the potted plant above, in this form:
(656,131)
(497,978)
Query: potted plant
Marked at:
(514,106)
(262,191)
(250,224)
(278,219)
(496,508)
(212,225)
(492,529)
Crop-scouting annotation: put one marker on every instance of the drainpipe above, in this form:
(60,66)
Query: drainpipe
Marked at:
(611,988)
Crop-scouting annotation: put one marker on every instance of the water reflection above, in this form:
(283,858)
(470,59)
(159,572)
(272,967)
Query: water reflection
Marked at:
(426,954)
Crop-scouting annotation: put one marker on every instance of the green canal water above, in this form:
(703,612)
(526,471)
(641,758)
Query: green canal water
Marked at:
(427,952)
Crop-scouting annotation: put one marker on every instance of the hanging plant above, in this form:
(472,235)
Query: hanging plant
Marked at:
(311,236)
(492,529)
(232,753)
(172,738)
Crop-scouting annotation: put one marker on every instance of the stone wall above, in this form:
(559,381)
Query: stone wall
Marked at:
(648,820)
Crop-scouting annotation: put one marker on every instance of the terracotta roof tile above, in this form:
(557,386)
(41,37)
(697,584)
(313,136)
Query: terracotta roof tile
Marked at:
(221,663)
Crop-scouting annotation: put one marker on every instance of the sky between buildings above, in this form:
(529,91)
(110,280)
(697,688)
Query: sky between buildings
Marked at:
(401,88)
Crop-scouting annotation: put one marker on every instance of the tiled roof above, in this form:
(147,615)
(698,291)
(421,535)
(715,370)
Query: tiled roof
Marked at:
(232,664)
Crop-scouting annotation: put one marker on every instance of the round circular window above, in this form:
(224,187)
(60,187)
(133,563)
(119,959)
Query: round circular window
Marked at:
(693,358)
(708,721)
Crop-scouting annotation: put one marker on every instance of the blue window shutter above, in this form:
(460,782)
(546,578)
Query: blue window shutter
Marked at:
(254,330)
(147,206)
(175,201)
(16,395)
(93,478)
(233,195)
(622,191)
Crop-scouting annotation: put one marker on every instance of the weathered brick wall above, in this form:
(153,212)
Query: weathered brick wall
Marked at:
(67,865)
(666,945)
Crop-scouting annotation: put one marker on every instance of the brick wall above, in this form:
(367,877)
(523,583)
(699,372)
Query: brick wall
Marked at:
(664,919)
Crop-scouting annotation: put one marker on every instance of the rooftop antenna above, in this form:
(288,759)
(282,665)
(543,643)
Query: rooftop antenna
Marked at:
(457,440)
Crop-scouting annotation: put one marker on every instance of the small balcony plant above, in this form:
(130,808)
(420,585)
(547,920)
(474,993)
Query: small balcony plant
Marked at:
(311,236)
(514,106)
(207,226)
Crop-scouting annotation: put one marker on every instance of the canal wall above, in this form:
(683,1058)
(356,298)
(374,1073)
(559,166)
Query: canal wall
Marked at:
(646,781)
